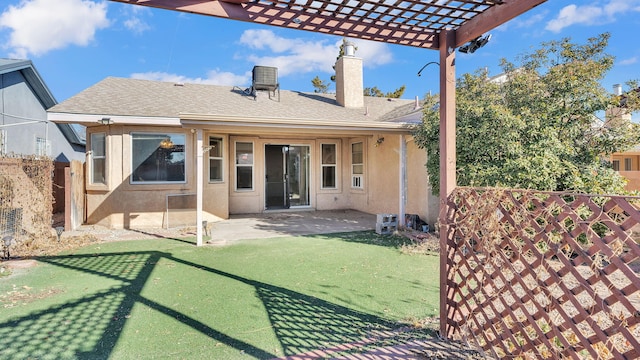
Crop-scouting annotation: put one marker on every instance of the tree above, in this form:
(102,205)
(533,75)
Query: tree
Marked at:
(320,86)
(538,128)
(374,91)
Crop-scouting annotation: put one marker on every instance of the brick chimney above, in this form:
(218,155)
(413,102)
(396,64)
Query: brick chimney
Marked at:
(349,91)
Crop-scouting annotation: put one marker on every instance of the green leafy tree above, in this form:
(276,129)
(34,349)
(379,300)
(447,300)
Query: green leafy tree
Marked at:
(320,86)
(538,128)
(374,91)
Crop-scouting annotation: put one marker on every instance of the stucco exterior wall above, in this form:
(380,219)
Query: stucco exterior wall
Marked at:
(633,174)
(120,203)
(420,199)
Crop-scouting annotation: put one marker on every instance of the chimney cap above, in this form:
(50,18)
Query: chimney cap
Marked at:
(617,89)
(349,48)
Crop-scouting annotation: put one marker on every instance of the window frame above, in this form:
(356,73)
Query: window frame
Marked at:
(628,164)
(236,166)
(357,179)
(615,165)
(132,180)
(43,146)
(3,142)
(219,158)
(324,165)
(94,157)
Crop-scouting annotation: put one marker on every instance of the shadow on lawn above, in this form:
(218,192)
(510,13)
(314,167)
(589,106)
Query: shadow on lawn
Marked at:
(89,327)
(367,237)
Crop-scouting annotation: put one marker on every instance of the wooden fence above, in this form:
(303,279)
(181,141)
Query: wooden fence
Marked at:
(542,275)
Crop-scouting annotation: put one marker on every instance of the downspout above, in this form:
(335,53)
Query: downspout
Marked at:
(447,169)
(199,186)
(403,181)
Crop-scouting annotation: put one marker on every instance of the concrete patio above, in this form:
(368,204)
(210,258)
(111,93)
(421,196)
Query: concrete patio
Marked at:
(251,226)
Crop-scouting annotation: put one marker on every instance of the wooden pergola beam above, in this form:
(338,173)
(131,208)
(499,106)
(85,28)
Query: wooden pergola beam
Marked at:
(492,18)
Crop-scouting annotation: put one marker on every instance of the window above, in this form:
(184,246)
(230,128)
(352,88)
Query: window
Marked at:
(627,164)
(616,165)
(329,161)
(215,159)
(158,158)
(98,159)
(43,147)
(3,142)
(244,166)
(357,165)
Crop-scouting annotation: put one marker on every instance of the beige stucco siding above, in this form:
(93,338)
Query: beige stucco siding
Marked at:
(120,203)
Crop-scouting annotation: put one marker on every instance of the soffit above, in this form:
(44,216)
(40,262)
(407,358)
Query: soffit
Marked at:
(405,22)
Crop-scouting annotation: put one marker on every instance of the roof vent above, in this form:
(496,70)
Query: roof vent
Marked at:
(265,78)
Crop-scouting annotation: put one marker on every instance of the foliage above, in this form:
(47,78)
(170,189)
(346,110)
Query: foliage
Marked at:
(319,85)
(538,127)
(374,91)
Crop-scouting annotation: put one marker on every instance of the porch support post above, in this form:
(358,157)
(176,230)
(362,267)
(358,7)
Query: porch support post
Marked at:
(199,186)
(447,165)
(402,181)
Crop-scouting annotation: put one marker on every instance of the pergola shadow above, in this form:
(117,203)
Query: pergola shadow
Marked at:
(90,327)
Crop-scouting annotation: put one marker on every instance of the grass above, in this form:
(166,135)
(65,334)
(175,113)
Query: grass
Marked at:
(167,299)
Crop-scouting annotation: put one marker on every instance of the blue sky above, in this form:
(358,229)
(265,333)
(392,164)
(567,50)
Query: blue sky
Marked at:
(76,43)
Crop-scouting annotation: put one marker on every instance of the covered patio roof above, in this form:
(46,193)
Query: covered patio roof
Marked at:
(405,22)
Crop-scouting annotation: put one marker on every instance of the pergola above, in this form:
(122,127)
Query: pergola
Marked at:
(442,25)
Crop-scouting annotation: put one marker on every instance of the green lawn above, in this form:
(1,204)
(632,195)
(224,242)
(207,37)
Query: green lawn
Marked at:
(167,299)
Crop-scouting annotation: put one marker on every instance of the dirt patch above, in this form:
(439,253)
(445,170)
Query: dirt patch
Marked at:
(51,246)
(421,243)
(19,296)
(20,264)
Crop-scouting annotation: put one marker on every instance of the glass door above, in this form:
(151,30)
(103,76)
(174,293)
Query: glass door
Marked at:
(298,179)
(287,176)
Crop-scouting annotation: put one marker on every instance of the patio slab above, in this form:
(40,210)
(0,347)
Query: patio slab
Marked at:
(245,227)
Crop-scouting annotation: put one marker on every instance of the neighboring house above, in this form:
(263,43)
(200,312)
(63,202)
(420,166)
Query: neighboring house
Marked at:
(24,128)
(627,163)
(155,147)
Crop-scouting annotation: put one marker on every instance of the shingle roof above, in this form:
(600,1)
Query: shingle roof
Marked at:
(144,98)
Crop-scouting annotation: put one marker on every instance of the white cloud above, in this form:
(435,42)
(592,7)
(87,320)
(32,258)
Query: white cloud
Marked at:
(520,22)
(214,77)
(629,61)
(591,14)
(298,56)
(39,26)
(134,19)
(289,55)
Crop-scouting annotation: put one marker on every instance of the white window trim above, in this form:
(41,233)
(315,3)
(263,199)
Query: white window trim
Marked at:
(186,157)
(357,180)
(93,157)
(40,141)
(221,158)
(3,142)
(236,165)
(336,165)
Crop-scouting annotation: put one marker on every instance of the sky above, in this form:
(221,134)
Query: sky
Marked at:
(77,43)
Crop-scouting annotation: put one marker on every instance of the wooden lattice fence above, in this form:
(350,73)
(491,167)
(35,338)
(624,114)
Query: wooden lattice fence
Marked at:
(541,275)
